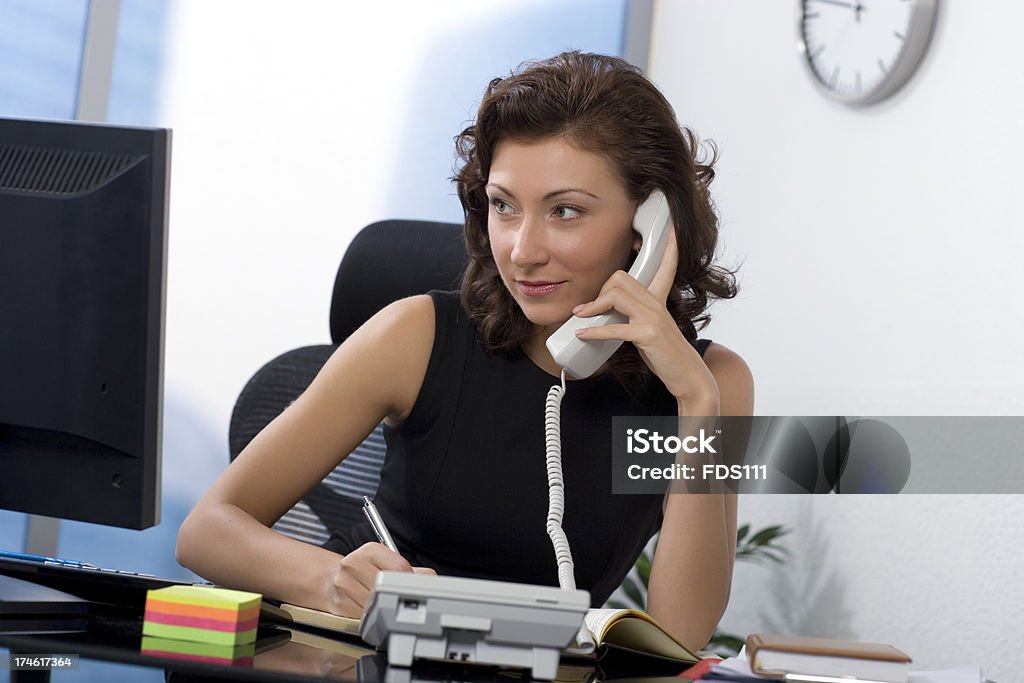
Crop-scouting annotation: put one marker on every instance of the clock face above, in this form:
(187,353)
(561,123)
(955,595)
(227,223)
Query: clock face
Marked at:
(862,51)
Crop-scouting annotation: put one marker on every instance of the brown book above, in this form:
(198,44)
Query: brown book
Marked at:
(774,655)
(333,644)
(635,631)
(310,617)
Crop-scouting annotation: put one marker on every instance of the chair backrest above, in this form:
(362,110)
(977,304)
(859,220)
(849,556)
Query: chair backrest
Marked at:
(385,262)
(391,260)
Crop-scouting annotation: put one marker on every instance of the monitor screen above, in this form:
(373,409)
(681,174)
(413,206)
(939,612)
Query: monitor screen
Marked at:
(83,235)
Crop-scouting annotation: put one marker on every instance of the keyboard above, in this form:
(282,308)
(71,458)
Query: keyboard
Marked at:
(87,581)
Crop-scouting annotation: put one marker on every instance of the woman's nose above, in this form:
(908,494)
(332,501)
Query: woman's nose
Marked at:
(530,247)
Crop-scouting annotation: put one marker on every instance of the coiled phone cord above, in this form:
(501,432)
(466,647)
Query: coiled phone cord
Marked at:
(556,501)
(556,485)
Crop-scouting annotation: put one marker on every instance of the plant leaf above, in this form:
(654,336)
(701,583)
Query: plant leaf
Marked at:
(725,643)
(775,555)
(631,590)
(643,569)
(742,532)
(768,534)
(617,604)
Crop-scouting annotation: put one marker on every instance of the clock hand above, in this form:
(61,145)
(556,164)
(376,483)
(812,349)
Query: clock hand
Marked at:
(857,7)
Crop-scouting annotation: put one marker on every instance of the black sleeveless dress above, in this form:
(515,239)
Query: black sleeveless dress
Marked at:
(464,486)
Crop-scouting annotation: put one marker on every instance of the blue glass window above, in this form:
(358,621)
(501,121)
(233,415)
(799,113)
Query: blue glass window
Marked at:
(40,54)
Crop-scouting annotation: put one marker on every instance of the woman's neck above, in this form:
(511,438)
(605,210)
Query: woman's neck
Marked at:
(537,351)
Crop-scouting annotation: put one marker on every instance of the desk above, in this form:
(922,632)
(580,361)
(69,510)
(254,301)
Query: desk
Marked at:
(278,658)
(113,632)
(117,638)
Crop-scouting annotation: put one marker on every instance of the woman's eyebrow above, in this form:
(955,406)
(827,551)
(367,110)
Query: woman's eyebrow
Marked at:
(500,188)
(549,195)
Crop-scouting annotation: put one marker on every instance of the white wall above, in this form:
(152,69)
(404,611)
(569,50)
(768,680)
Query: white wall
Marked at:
(880,276)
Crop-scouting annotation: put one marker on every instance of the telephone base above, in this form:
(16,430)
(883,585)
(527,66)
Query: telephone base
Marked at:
(472,621)
(470,648)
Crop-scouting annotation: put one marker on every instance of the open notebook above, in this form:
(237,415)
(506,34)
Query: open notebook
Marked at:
(616,631)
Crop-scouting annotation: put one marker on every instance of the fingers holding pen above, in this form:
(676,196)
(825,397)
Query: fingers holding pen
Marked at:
(375,557)
(354,576)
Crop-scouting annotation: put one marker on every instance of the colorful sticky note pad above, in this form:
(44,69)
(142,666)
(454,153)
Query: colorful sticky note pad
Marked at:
(209,653)
(202,614)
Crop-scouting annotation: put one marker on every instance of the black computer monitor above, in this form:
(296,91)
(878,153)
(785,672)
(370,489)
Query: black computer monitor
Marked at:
(83,244)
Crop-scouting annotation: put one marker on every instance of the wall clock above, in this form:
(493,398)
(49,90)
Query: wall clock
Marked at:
(861,51)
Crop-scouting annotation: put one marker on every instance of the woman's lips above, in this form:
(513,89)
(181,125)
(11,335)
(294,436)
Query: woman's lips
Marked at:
(538,288)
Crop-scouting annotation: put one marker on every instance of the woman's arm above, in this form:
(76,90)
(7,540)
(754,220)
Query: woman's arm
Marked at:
(691,575)
(692,570)
(376,373)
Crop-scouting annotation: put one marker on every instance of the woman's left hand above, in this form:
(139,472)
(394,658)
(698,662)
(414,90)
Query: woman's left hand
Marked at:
(653,331)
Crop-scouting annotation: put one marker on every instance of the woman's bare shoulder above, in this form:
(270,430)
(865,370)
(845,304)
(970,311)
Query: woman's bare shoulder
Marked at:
(390,349)
(411,317)
(735,381)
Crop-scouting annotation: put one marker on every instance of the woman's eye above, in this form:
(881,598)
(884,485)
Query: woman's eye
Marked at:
(566,212)
(501,206)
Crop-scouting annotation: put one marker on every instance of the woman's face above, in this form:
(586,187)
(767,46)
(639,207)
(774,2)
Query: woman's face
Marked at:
(559,223)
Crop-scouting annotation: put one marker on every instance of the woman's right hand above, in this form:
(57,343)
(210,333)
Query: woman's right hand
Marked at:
(353,577)
(228,538)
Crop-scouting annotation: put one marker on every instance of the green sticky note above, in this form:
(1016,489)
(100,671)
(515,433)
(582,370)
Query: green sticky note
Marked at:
(182,647)
(198,635)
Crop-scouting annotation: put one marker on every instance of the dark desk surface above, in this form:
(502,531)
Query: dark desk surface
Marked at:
(279,656)
(118,638)
(112,631)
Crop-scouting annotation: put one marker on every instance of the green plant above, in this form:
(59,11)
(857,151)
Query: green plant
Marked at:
(762,547)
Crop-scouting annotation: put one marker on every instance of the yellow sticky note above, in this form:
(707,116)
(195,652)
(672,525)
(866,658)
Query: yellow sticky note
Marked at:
(206,596)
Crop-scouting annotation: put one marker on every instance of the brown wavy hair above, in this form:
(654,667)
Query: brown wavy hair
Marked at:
(607,106)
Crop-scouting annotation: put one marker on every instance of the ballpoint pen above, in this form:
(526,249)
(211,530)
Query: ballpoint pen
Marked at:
(370,510)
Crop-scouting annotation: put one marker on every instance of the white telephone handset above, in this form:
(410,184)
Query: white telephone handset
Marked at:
(582,358)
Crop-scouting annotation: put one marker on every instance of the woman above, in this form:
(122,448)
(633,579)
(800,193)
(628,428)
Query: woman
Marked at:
(559,158)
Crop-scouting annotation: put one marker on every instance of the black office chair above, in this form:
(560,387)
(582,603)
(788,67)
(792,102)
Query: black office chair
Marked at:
(385,262)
